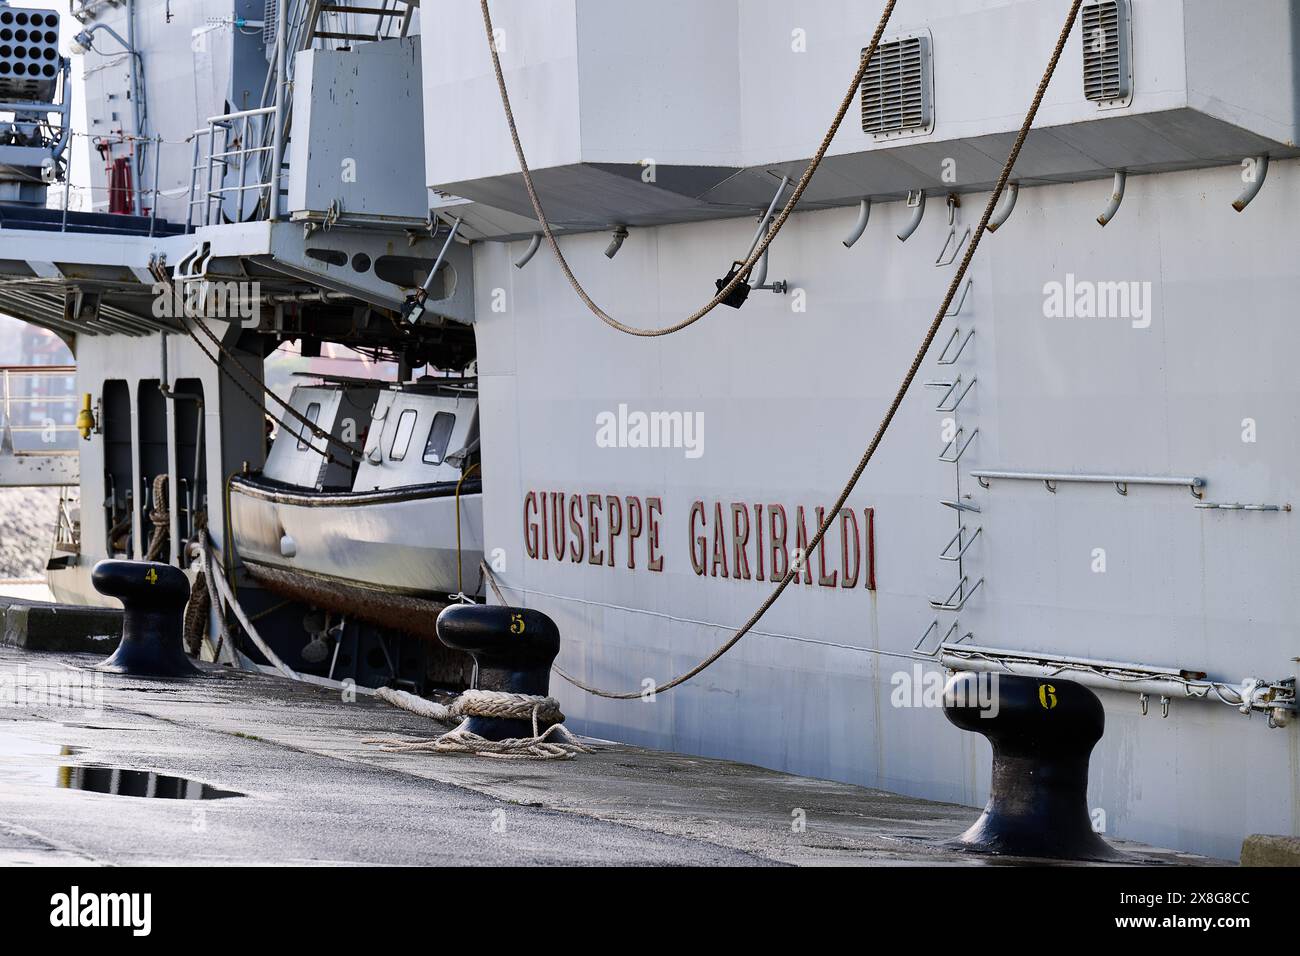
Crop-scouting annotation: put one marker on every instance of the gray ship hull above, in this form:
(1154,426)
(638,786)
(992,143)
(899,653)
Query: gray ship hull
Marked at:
(1192,381)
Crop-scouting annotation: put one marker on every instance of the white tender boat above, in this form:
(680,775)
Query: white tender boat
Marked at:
(394,534)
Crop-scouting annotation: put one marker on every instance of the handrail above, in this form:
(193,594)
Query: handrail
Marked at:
(240,114)
(1121,482)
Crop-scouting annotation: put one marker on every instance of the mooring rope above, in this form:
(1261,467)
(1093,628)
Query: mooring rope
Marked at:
(189,323)
(160,517)
(555,742)
(741,274)
(869,453)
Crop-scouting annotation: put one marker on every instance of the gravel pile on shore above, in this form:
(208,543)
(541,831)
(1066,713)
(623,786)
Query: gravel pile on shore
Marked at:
(27,521)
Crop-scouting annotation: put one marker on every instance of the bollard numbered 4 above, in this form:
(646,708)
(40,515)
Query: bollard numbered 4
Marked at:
(153,597)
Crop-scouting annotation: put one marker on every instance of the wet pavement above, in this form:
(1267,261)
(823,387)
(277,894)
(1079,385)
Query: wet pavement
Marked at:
(297,784)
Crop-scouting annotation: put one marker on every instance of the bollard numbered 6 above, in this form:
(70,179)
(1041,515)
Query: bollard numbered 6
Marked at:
(1042,732)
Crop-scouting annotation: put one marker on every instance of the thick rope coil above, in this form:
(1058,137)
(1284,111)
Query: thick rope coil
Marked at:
(160,517)
(553,743)
(196,615)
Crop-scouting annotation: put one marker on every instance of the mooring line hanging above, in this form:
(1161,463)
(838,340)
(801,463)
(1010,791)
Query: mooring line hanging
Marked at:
(741,274)
(257,402)
(931,332)
(315,429)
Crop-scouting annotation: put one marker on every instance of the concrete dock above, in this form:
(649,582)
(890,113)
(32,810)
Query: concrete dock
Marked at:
(311,791)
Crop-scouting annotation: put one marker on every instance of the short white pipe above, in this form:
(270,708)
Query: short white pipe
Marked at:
(531,251)
(918,213)
(860,225)
(1005,208)
(1258,172)
(1116,197)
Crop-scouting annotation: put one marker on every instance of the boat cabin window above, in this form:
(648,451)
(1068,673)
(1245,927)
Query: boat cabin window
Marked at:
(439,435)
(312,415)
(402,436)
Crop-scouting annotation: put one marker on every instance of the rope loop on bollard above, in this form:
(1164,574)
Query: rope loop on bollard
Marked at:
(556,742)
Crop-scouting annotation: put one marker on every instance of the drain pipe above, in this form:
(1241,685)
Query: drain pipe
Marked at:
(137,63)
(1007,206)
(277,134)
(917,206)
(165,388)
(1254,172)
(860,225)
(1116,197)
(531,251)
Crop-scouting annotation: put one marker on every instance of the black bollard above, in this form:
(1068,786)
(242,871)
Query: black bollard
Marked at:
(512,647)
(153,596)
(1042,731)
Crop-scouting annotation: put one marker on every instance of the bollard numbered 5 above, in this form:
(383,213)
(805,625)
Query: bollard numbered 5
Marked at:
(153,597)
(513,649)
(1042,732)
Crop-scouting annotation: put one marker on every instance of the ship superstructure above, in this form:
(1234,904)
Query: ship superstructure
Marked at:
(1095,479)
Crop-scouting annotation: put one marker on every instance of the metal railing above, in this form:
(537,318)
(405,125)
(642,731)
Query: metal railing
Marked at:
(235,148)
(39,408)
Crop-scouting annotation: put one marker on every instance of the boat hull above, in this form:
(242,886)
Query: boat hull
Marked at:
(402,542)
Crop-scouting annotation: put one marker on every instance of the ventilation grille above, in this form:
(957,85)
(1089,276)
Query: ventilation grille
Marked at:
(896,93)
(270,16)
(1106,68)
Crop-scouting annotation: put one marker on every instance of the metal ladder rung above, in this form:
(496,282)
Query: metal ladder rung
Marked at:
(944,555)
(951,387)
(934,626)
(943,359)
(948,605)
(959,449)
(955,310)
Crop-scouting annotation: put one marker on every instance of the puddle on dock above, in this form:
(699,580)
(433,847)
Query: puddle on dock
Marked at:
(138,783)
(16,754)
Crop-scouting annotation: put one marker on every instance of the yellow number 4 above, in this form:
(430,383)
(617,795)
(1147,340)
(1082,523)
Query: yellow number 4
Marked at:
(151,576)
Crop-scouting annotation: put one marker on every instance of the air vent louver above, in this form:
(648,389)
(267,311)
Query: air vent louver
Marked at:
(896,89)
(270,16)
(1107,71)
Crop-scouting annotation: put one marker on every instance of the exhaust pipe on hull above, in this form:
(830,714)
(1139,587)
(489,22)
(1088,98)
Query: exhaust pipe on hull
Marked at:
(531,251)
(860,225)
(1253,172)
(917,205)
(1005,208)
(1116,197)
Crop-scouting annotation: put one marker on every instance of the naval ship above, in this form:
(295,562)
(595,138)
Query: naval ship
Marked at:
(1092,476)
